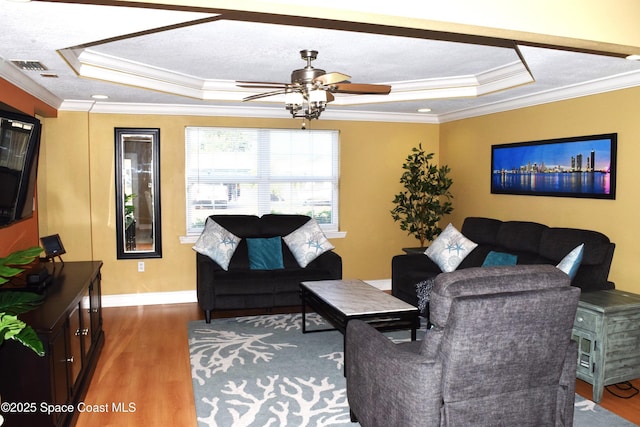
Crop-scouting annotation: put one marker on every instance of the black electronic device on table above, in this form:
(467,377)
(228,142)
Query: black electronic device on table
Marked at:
(53,247)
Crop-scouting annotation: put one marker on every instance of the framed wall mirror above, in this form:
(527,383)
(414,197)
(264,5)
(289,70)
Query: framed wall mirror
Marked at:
(138,227)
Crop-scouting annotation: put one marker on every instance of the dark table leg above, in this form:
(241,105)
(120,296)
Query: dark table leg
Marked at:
(304,310)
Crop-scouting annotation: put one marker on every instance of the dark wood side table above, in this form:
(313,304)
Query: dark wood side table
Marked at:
(607,329)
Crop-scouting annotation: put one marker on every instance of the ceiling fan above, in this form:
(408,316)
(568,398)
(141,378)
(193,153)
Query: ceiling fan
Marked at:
(312,88)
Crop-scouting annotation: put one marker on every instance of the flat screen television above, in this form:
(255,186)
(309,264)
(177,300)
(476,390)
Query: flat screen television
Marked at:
(19,148)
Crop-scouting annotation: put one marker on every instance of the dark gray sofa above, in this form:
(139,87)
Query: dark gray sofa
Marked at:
(239,287)
(532,242)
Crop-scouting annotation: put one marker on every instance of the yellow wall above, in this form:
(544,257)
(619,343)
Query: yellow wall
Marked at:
(465,147)
(78,163)
(76,185)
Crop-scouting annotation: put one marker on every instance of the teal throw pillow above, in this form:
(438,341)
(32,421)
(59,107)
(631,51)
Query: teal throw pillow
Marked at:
(499,258)
(571,262)
(265,253)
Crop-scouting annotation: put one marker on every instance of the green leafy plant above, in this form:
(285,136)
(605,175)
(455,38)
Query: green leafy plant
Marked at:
(426,196)
(8,264)
(128,205)
(13,303)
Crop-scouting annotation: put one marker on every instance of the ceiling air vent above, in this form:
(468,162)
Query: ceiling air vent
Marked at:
(29,65)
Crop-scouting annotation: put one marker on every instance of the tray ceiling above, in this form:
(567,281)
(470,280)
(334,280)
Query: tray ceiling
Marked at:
(152,60)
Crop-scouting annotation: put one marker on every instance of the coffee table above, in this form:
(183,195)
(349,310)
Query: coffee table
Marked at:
(340,301)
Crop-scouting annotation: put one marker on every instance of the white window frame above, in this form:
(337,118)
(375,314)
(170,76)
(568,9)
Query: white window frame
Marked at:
(263,178)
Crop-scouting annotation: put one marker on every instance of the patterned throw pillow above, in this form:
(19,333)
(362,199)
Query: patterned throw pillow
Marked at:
(307,243)
(571,262)
(217,243)
(423,291)
(449,249)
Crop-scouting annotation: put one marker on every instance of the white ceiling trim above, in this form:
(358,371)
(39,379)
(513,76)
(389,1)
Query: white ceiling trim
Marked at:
(13,75)
(91,64)
(619,82)
(102,107)
(10,73)
(623,81)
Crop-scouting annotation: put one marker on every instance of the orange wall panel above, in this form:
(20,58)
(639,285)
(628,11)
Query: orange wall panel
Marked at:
(23,234)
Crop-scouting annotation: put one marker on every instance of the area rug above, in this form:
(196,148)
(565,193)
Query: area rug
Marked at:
(262,371)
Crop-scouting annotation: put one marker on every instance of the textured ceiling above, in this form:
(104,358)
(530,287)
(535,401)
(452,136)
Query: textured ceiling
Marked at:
(191,60)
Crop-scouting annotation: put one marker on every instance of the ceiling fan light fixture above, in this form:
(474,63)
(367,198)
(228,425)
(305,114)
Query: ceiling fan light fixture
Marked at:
(311,89)
(318,96)
(293,98)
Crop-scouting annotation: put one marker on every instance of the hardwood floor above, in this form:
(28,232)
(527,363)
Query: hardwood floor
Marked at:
(145,363)
(628,409)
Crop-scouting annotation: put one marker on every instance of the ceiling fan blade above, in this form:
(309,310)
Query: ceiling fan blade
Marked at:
(331,78)
(330,97)
(264,95)
(261,84)
(361,89)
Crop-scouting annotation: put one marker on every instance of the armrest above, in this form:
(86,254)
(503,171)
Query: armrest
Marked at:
(406,271)
(329,261)
(413,262)
(205,270)
(387,385)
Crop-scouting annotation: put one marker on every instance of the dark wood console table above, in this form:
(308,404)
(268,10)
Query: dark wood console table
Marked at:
(46,391)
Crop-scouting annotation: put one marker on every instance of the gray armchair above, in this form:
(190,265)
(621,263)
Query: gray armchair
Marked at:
(499,354)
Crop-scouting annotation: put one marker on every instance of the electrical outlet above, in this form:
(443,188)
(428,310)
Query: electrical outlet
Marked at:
(140,266)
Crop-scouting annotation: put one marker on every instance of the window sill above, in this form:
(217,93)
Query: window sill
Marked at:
(191,238)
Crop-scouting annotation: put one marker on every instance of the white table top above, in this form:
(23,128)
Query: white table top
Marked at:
(354,297)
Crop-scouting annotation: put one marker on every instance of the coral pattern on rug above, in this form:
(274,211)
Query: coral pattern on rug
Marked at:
(263,371)
(250,371)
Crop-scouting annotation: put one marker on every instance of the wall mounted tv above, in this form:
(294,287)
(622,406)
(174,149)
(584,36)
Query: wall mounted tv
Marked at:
(19,146)
(580,166)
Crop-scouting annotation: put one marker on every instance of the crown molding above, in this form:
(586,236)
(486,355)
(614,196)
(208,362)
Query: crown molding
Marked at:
(88,63)
(100,107)
(622,81)
(13,75)
(594,87)
(17,78)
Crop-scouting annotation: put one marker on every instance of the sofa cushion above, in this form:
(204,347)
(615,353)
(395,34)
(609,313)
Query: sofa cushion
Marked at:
(265,253)
(556,243)
(307,242)
(217,243)
(520,236)
(483,231)
(281,224)
(240,225)
(449,249)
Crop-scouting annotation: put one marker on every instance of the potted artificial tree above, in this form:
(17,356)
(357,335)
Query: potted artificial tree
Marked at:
(425,198)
